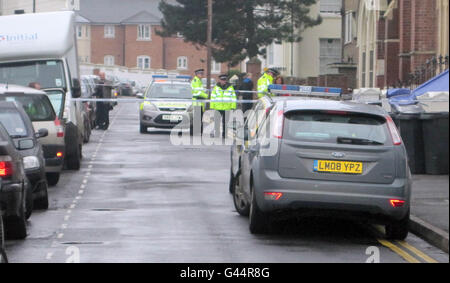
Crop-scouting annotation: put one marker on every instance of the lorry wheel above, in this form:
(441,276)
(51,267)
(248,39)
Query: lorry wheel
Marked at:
(398,230)
(16,226)
(74,161)
(52,179)
(259,220)
(42,201)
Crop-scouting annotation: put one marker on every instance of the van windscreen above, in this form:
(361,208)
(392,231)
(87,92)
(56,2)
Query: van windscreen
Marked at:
(47,73)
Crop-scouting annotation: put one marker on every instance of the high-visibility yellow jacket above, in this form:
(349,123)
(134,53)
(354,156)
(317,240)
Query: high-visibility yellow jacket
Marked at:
(198,92)
(225,98)
(263,85)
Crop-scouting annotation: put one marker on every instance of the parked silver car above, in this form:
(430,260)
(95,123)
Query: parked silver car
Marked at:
(304,156)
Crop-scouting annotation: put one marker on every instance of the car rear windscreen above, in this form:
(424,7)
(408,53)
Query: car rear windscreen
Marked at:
(13,123)
(38,107)
(335,127)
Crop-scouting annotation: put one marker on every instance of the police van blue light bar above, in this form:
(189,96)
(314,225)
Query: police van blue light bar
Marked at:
(171,77)
(305,90)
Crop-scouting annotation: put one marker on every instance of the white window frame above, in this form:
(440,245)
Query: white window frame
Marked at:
(109,60)
(348,27)
(141,62)
(330,6)
(216,68)
(182,63)
(141,32)
(110,31)
(79,31)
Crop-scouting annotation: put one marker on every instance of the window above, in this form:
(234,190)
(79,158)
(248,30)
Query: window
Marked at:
(348,27)
(110,31)
(143,62)
(372,63)
(79,31)
(144,32)
(215,67)
(330,6)
(182,63)
(108,60)
(330,52)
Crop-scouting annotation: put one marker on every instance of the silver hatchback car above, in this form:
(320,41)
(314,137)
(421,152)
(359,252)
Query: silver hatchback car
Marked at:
(307,156)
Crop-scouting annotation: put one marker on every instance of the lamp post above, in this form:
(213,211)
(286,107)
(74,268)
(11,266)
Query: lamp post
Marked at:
(34,6)
(209,45)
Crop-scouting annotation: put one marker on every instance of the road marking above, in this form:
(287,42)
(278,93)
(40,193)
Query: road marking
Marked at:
(66,218)
(398,251)
(417,252)
(49,256)
(72,206)
(82,187)
(78,198)
(69,211)
(80,192)
(60,235)
(64,226)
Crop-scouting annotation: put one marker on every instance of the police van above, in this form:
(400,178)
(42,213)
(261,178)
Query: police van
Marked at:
(40,49)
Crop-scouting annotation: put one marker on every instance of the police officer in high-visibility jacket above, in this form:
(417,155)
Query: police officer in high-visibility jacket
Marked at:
(266,79)
(223,100)
(198,93)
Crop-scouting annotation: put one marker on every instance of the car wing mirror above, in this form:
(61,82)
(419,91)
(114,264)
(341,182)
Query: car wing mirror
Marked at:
(76,88)
(42,133)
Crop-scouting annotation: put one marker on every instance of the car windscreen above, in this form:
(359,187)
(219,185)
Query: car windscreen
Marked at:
(13,123)
(48,73)
(38,107)
(335,127)
(179,91)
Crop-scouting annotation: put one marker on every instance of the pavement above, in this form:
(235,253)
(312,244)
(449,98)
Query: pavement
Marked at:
(139,198)
(430,209)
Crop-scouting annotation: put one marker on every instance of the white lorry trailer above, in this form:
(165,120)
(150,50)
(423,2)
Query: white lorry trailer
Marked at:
(42,48)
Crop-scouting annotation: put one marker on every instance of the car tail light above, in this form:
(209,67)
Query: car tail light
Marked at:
(397,202)
(6,167)
(278,125)
(59,154)
(396,138)
(336,112)
(273,195)
(59,128)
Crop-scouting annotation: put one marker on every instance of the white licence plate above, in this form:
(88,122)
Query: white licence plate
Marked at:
(173,118)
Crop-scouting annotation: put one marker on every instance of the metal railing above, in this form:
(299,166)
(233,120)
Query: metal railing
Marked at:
(432,67)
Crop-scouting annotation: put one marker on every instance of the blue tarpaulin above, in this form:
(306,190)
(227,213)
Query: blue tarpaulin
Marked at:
(436,84)
(397,91)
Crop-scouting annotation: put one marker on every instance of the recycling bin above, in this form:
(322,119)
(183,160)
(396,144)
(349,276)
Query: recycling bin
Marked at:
(435,137)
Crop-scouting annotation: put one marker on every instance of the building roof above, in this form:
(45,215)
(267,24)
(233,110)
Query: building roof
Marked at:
(121,12)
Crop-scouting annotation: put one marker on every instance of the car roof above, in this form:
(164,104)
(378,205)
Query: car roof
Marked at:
(14,89)
(331,105)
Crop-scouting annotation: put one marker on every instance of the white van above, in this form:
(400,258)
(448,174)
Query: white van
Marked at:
(41,48)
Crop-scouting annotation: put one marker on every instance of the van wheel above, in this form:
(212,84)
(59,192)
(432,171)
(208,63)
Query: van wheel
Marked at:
(87,132)
(52,179)
(29,202)
(16,226)
(2,234)
(42,201)
(259,221)
(240,202)
(74,162)
(398,230)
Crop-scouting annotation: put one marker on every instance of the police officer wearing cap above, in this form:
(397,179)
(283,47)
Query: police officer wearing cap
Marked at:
(198,93)
(223,100)
(265,81)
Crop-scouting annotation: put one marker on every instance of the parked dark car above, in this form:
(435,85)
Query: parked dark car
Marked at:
(334,158)
(14,188)
(125,88)
(3,258)
(25,138)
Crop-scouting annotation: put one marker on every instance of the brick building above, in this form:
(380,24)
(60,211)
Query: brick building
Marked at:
(397,37)
(123,33)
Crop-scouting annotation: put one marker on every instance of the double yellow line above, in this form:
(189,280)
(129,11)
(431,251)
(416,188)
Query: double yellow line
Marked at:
(411,257)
